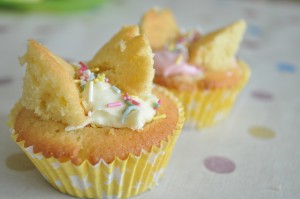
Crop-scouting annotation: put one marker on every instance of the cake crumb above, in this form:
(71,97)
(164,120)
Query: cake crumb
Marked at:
(122,45)
(111,132)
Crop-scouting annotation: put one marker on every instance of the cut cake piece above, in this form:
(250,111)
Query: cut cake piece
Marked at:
(127,61)
(216,51)
(49,89)
(160,27)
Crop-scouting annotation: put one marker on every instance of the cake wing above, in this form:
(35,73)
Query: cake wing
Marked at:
(127,61)
(216,51)
(113,48)
(49,89)
(160,27)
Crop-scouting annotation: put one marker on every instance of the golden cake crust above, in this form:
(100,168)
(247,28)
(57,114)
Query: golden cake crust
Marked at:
(93,144)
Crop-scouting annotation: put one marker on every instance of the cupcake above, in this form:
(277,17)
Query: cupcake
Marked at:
(99,129)
(200,69)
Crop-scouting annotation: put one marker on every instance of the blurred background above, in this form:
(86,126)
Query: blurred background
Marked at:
(266,163)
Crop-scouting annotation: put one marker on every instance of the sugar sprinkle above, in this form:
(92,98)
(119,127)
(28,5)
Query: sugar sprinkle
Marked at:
(126,113)
(115,89)
(159,117)
(156,105)
(134,102)
(83,67)
(126,97)
(114,104)
(179,59)
(91,91)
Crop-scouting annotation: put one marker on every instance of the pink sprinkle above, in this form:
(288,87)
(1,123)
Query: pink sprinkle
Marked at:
(83,66)
(114,104)
(180,40)
(135,102)
(159,102)
(126,97)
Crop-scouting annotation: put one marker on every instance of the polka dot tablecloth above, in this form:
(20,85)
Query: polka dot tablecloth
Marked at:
(252,154)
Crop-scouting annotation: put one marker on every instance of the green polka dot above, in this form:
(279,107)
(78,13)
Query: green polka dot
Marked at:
(262,132)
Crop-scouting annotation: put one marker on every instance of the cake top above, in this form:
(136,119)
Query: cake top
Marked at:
(95,144)
(214,51)
(112,90)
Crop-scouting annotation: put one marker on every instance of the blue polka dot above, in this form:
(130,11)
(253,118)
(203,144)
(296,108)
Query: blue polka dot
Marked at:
(254,30)
(286,67)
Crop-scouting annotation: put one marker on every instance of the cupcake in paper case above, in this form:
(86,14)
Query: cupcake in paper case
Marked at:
(97,130)
(200,69)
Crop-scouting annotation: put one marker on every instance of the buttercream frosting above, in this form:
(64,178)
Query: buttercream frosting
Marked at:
(168,63)
(106,107)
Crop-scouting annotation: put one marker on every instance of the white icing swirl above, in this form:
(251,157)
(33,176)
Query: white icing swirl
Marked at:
(96,97)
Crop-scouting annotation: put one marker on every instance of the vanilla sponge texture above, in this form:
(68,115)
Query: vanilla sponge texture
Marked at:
(49,89)
(160,27)
(216,51)
(127,61)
